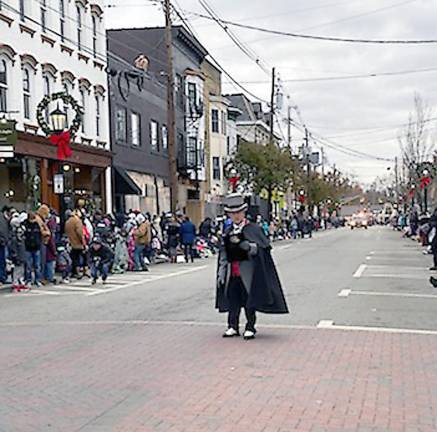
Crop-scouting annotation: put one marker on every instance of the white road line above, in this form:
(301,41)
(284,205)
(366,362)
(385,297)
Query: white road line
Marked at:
(393,294)
(372,253)
(344,293)
(379,266)
(397,276)
(368,258)
(360,270)
(145,281)
(329,325)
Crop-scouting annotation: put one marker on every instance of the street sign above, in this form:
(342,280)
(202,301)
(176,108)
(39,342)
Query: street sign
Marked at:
(58,183)
(8,138)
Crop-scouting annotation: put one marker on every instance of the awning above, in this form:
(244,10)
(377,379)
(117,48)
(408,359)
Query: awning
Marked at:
(124,184)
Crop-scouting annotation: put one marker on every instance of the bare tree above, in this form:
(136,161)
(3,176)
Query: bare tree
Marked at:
(416,142)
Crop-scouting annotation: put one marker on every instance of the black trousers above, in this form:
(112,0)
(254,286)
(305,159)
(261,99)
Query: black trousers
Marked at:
(77,256)
(237,298)
(189,252)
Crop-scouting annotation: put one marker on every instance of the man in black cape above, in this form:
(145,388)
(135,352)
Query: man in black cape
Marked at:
(246,274)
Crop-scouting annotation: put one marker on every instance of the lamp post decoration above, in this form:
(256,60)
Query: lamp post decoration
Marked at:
(58,133)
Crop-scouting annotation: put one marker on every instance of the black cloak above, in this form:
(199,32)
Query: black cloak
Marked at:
(265,293)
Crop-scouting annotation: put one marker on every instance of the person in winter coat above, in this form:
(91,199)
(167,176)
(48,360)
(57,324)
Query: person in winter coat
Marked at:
(187,234)
(173,230)
(50,251)
(121,253)
(100,258)
(17,251)
(246,274)
(32,244)
(4,237)
(75,234)
(143,237)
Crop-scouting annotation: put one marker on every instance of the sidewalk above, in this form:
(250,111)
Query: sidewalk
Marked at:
(175,377)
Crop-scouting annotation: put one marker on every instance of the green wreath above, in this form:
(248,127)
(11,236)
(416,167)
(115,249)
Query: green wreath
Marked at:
(67,99)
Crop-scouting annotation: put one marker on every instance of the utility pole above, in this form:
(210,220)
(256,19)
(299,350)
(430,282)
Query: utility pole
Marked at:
(289,127)
(323,163)
(171,113)
(272,104)
(308,166)
(272,118)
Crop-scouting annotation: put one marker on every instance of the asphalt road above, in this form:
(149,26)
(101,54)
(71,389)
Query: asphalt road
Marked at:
(358,352)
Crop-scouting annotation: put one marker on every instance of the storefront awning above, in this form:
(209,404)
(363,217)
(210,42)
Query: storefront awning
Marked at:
(124,184)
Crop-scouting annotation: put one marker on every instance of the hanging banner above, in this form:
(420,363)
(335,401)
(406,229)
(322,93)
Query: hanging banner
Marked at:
(8,138)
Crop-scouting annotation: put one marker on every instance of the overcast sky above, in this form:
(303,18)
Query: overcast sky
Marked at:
(363,114)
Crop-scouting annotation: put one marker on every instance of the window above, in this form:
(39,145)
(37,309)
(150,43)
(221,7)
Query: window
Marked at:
(120,127)
(224,122)
(216,172)
(228,145)
(154,135)
(180,91)
(164,132)
(94,36)
(79,27)
(47,86)
(192,152)
(135,121)
(215,120)
(192,96)
(43,10)
(26,93)
(62,19)
(22,10)
(3,86)
(98,119)
(83,102)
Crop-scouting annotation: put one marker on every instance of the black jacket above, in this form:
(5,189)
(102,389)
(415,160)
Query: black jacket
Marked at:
(104,254)
(265,293)
(32,236)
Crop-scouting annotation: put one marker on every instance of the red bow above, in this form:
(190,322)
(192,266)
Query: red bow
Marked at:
(424,181)
(233,181)
(63,142)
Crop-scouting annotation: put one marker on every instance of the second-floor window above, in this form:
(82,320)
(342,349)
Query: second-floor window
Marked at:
(164,138)
(94,19)
(215,120)
(62,19)
(98,118)
(84,106)
(216,172)
(79,27)
(154,135)
(43,10)
(192,97)
(3,86)
(47,90)
(135,123)
(26,94)
(224,122)
(120,124)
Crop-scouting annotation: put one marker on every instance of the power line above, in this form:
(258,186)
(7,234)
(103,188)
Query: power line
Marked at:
(324,38)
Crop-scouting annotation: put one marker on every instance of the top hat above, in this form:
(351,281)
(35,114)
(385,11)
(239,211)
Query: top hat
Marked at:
(234,203)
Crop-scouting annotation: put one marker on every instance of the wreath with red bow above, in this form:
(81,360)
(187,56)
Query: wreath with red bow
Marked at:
(62,140)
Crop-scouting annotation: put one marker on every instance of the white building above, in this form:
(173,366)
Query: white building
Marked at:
(48,46)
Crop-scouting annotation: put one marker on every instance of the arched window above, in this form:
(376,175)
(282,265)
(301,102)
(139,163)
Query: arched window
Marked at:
(47,91)
(83,101)
(94,20)
(79,26)
(3,86)
(26,93)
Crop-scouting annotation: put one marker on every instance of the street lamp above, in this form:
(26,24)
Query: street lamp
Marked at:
(58,119)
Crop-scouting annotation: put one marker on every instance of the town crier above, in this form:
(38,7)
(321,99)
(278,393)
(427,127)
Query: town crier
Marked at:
(246,274)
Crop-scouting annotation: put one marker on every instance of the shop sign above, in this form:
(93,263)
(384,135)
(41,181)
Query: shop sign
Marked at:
(58,183)
(8,138)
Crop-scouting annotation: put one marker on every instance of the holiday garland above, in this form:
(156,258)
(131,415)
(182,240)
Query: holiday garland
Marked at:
(67,99)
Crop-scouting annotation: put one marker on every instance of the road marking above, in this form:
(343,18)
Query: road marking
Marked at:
(344,293)
(360,270)
(396,276)
(329,325)
(372,253)
(145,281)
(32,293)
(393,294)
(368,258)
(379,266)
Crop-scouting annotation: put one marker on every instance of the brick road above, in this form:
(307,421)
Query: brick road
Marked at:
(124,376)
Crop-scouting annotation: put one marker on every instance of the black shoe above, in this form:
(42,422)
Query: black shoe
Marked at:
(433,281)
(434,268)
(94,281)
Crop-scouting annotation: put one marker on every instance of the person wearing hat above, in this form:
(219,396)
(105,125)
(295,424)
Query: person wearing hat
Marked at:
(246,273)
(100,258)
